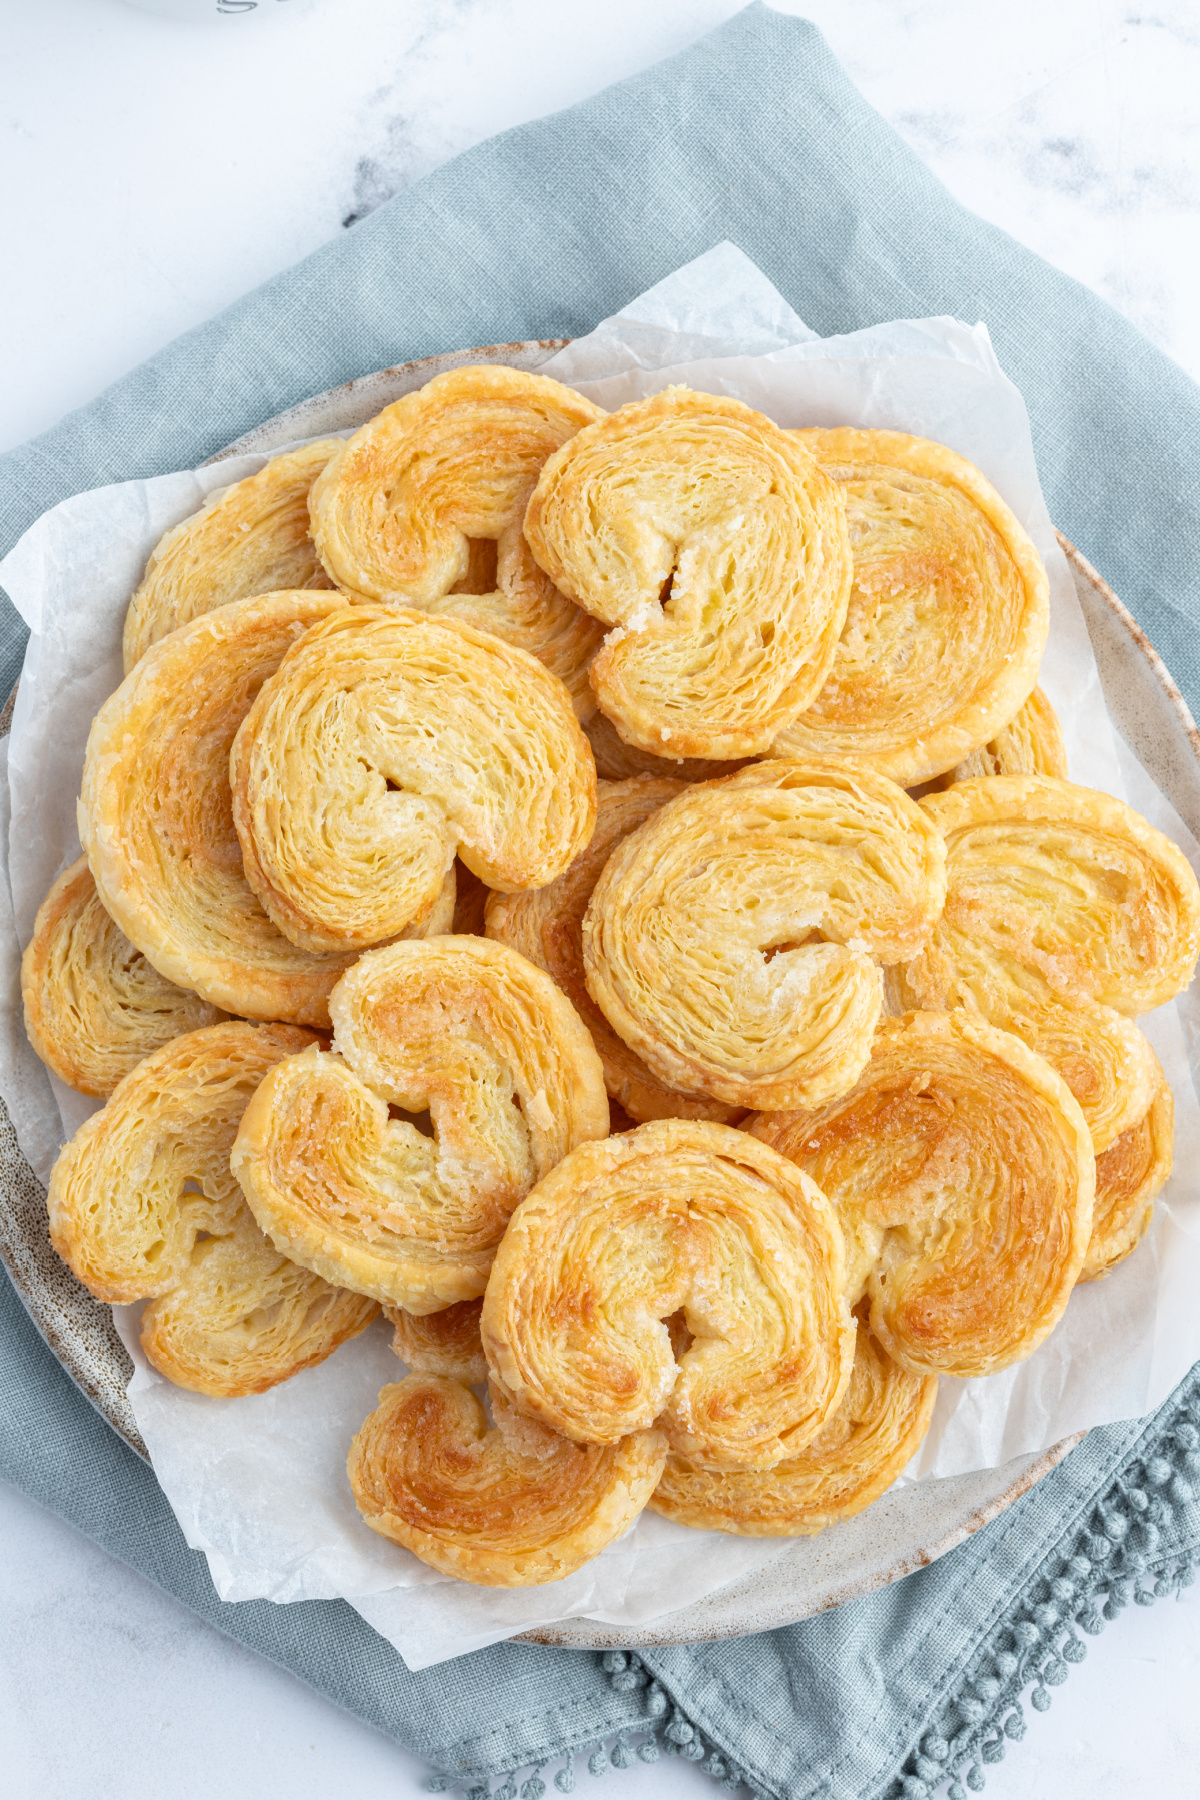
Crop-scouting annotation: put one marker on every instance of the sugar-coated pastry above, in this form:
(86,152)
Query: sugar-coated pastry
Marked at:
(440,1343)
(962,1172)
(93,1005)
(155,813)
(510,1506)
(1030,744)
(251,538)
(459,1027)
(422,508)
(1066,916)
(1130,1175)
(547,927)
(735,941)
(618,761)
(143,1205)
(948,614)
(387,742)
(715,550)
(875,1432)
(679,1215)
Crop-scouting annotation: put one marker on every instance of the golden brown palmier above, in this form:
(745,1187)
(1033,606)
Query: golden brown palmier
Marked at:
(155,813)
(1030,744)
(680,1214)
(1066,916)
(618,761)
(93,1005)
(547,927)
(423,507)
(251,538)
(874,1434)
(143,1205)
(465,1029)
(512,1506)
(947,618)
(735,941)
(962,1172)
(440,1343)
(715,550)
(1130,1175)
(387,742)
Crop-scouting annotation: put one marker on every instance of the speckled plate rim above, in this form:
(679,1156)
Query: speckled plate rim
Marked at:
(909,1527)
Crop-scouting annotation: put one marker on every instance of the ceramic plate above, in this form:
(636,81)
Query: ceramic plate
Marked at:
(907,1528)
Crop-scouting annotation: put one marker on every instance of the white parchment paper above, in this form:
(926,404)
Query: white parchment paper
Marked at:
(259,1484)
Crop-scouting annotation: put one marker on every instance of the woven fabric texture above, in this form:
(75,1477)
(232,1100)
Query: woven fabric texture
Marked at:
(756,136)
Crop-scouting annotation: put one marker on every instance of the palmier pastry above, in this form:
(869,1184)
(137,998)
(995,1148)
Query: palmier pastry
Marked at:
(547,927)
(1130,1175)
(618,761)
(440,1343)
(1030,744)
(155,816)
(93,1005)
(711,544)
(423,506)
(143,1206)
(387,742)
(251,538)
(512,1506)
(873,1435)
(1066,916)
(962,1172)
(734,941)
(947,618)
(465,1029)
(679,1215)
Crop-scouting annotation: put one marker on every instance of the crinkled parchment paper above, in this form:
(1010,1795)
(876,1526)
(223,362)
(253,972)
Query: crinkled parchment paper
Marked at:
(259,1484)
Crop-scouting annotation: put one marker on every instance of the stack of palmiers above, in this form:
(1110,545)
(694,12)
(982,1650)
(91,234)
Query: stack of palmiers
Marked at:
(707,1112)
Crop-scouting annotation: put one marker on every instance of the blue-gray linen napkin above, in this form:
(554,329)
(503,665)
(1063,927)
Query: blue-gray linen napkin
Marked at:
(753,135)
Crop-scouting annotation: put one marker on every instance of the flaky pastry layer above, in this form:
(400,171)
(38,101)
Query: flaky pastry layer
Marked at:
(251,538)
(387,742)
(618,761)
(1130,1175)
(94,1007)
(510,1506)
(962,1173)
(142,1205)
(473,1034)
(440,1343)
(734,942)
(1066,917)
(547,928)
(156,820)
(423,508)
(677,1216)
(1030,744)
(875,1432)
(713,548)
(948,613)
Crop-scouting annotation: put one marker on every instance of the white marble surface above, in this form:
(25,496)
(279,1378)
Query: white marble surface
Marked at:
(152,172)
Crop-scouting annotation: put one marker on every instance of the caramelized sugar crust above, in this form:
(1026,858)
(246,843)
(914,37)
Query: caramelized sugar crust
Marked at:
(961,1170)
(142,1205)
(948,613)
